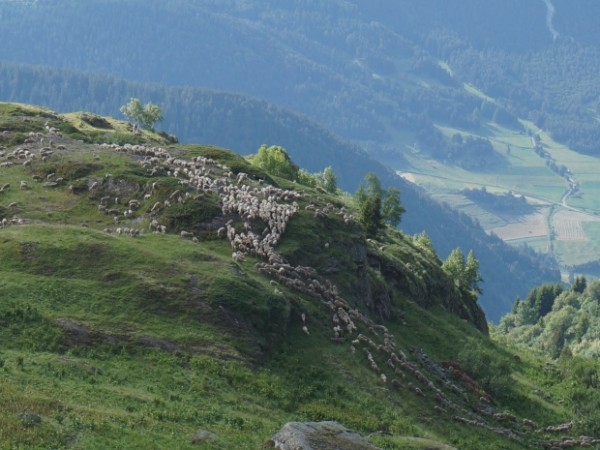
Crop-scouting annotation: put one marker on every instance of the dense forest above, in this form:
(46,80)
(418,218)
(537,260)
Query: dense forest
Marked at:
(359,77)
(364,71)
(558,320)
(366,75)
(347,64)
(556,88)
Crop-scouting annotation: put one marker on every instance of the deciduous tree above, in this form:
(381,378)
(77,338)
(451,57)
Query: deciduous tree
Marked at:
(146,115)
(329,180)
(276,160)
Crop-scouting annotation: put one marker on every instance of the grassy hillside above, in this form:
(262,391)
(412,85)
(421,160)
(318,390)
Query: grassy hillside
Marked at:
(243,124)
(152,291)
(562,323)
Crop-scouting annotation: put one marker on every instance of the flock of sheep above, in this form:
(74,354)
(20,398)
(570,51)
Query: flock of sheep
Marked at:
(254,203)
(260,215)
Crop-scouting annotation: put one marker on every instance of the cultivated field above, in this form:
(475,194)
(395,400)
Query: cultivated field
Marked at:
(574,227)
(568,225)
(524,227)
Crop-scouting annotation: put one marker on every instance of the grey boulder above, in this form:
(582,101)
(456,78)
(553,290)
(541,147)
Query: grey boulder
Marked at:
(318,436)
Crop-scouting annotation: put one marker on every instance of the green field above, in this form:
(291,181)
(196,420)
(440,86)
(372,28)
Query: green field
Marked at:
(523,172)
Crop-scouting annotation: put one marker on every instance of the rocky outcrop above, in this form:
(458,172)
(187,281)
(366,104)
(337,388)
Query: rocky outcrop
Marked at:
(423,278)
(317,436)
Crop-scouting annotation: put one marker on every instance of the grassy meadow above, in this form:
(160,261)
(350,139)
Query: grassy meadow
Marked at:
(110,343)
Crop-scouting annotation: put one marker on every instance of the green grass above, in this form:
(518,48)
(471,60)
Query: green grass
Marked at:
(576,253)
(119,290)
(125,395)
(117,392)
(539,244)
(117,131)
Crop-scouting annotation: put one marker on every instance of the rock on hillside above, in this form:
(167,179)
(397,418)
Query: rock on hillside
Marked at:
(318,435)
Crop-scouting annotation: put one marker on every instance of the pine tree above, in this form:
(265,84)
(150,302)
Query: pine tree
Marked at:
(472,275)
(391,208)
(369,214)
(465,274)
(377,206)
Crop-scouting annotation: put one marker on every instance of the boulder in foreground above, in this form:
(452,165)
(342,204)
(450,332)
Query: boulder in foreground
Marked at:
(317,436)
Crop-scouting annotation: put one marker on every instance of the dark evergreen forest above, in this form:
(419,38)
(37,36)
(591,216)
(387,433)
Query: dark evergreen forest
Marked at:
(357,67)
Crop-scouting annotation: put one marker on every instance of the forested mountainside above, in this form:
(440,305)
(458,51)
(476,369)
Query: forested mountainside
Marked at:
(331,62)
(357,68)
(159,294)
(243,123)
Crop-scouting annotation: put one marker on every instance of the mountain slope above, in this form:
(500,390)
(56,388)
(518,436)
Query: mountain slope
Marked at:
(117,336)
(413,83)
(244,123)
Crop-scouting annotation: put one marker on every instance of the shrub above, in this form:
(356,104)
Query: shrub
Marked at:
(276,161)
(489,369)
(188,215)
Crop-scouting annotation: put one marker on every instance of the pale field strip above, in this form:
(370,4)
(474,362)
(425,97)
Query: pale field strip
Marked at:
(410,177)
(568,225)
(528,226)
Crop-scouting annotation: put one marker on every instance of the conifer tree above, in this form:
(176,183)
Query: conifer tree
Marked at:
(376,205)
